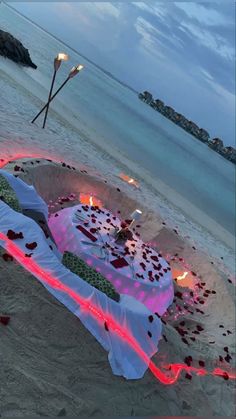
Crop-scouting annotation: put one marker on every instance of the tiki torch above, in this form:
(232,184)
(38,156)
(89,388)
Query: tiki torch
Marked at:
(73,72)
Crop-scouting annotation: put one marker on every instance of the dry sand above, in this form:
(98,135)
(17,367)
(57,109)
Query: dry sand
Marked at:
(51,365)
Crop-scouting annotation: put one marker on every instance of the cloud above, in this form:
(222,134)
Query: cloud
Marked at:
(184,52)
(203,15)
(210,40)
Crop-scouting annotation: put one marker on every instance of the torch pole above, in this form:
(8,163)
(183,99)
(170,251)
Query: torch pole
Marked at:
(49,97)
(49,101)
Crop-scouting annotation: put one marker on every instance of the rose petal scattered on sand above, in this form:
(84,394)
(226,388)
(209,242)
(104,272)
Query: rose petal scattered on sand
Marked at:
(228,358)
(7,257)
(4,320)
(188,360)
(201,363)
(199,328)
(17,168)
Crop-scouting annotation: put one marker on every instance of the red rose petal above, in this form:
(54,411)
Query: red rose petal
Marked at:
(4,320)
(14,236)
(31,246)
(7,257)
(200,328)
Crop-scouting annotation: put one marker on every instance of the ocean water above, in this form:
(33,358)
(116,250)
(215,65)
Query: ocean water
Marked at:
(105,109)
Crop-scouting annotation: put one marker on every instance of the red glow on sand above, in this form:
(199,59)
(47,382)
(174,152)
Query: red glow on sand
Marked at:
(35,269)
(24,155)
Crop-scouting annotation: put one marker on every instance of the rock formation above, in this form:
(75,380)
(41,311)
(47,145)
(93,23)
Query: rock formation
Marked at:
(13,49)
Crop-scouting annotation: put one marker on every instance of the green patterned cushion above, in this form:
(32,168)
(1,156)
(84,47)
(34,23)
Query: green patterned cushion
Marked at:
(7,195)
(4,183)
(88,274)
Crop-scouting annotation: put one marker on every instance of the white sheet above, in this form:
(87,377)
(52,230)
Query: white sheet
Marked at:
(129,314)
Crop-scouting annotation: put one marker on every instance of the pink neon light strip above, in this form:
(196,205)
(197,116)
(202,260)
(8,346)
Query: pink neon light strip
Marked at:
(53,282)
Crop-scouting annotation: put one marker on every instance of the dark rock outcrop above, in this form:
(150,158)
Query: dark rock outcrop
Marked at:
(13,49)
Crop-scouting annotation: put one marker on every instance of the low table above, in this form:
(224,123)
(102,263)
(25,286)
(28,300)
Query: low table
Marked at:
(134,269)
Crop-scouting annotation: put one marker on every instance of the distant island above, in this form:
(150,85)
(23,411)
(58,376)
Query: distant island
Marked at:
(201,134)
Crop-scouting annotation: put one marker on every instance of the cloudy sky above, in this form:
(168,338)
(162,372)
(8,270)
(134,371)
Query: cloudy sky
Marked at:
(182,52)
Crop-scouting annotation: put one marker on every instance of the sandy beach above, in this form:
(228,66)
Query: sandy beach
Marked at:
(62,370)
(50,364)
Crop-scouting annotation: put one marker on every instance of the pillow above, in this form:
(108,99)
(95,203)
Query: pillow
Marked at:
(88,274)
(8,195)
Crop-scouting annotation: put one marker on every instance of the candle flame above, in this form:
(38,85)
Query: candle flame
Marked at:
(88,199)
(129,180)
(179,278)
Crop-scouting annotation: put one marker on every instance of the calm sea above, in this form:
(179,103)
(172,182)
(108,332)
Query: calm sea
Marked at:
(119,118)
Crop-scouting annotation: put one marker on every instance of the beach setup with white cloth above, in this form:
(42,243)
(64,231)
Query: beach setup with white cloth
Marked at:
(134,268)
(127,329)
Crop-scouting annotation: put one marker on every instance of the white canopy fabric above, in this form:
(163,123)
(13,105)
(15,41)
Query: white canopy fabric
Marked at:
(133,320)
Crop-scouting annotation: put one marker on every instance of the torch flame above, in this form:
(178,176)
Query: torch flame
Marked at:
(131,181)
(61,56)
(91,200)
(179,278)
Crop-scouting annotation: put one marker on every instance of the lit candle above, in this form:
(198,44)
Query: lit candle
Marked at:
(136,215)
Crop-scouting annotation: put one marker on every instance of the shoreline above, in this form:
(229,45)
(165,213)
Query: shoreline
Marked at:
(167,200)
(173,197)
